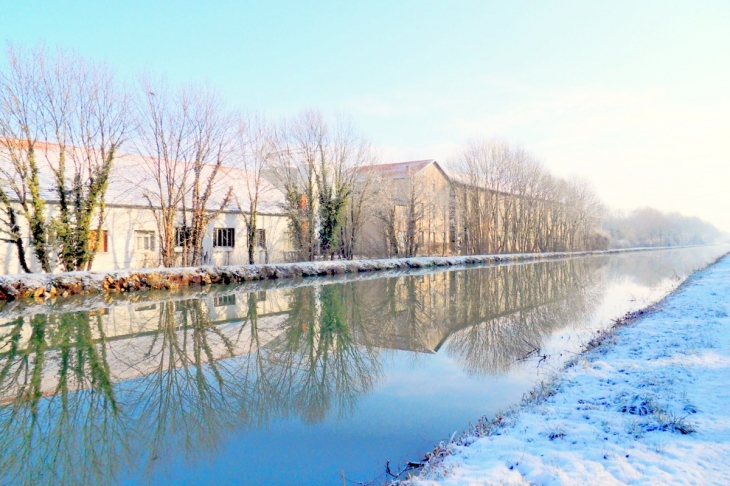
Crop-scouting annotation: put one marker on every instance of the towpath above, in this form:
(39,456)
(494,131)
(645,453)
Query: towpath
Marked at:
(649,405)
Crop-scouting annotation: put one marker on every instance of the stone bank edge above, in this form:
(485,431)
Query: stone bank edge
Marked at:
(46,286)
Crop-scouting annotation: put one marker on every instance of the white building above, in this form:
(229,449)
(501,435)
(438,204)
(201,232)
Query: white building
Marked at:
(130,234)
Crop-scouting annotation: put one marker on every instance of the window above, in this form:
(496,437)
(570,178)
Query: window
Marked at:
(97,244)
(182,236)
(224,300)
(261,238)
(224,237)
(145,240)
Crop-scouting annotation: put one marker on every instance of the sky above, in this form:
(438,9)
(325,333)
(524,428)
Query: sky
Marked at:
(633,96)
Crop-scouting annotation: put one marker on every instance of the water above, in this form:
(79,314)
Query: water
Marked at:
(306,381)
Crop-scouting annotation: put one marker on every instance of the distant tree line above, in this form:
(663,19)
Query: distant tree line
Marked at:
(651,227)
(509,202)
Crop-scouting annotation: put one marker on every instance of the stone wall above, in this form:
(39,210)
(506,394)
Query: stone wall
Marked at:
(41,287)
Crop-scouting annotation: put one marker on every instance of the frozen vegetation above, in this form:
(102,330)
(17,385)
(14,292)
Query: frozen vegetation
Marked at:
(648,404)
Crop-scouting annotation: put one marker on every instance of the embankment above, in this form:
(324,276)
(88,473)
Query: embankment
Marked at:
(46,286)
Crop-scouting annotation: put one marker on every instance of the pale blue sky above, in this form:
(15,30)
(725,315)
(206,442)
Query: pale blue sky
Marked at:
(631,95)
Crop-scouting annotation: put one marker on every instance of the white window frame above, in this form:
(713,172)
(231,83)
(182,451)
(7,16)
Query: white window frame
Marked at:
(144,241)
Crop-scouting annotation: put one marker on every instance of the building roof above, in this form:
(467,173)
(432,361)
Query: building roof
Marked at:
(135,183)
(401,170)
(398,170)
(132,182)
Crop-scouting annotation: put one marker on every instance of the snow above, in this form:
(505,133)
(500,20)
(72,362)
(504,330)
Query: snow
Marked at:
(649,405)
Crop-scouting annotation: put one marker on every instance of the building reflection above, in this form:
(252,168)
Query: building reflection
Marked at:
(87,395)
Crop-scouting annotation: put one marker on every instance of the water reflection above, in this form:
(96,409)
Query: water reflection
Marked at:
(88,394)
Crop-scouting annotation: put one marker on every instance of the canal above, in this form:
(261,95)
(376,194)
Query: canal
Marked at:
(298,381)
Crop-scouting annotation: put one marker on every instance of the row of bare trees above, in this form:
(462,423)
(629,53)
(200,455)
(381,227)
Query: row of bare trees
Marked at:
(507,201)
(193,140)
(64,122)
(493,198)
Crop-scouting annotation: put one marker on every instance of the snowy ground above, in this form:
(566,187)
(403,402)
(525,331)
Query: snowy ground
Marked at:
(650,405)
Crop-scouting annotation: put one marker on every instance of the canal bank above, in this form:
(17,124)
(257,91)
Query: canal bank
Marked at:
(42,287)
(647,404)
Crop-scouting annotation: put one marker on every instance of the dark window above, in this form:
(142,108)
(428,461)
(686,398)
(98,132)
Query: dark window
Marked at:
(224,237)
(182,236)
(261,238)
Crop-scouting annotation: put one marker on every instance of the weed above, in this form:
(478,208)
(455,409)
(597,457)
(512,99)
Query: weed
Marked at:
(540,393)
(555,432)
(641,405)
(660,446)
(635,429)
(673,423)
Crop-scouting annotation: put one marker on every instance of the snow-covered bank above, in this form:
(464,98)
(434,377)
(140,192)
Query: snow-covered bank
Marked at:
(650,405)
(47,286)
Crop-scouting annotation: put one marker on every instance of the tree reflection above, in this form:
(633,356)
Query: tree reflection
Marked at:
(67,351)
(515,309)
(487,318)
(188,398)
(317,360)
(79,408)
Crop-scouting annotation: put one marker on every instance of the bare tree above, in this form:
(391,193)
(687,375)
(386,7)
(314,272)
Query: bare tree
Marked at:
(402,214)
(300,144)
(485,179)
(254,149)
(66,115)
(20,128)
(389,216)
(316,166)
(188,133)
(162,140)
(584,212)
(86,117)
(359,209)
(212,143)
(344,190)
